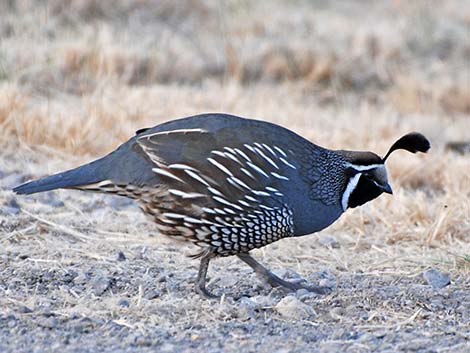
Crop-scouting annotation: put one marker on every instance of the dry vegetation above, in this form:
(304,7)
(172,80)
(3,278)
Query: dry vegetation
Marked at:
(77,78)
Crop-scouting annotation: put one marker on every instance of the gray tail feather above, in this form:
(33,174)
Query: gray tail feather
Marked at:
(69,179)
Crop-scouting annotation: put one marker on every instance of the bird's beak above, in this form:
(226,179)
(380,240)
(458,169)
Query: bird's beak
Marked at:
(387,188)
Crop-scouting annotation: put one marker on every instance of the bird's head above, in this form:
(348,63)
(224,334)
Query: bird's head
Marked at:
(366,173)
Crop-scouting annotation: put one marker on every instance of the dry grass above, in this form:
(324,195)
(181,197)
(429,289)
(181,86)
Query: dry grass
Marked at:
(78,77)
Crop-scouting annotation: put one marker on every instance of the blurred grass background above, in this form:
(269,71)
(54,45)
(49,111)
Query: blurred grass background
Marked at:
(70,70)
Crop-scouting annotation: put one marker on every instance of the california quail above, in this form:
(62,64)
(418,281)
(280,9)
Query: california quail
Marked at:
(229,184)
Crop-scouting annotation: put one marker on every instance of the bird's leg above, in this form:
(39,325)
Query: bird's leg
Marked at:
(201,277)
(276,281)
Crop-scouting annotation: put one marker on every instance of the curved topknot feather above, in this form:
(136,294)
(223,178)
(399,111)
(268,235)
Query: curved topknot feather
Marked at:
(412,142)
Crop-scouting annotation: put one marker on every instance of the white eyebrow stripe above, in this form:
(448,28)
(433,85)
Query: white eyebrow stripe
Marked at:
(220,166)
(269,160)
(361,168)
(167,174)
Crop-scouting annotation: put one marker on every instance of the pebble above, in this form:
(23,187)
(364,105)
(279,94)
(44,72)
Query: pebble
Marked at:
(121,256)
(142,341)
(246,308)
(263,301)
(100,285)
(436,279)
(124,303)
(11,207)
(329,242)
(324,278)
(152,294)
(48,322)
(292,308)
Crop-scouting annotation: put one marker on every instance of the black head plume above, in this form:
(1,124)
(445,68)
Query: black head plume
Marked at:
(412,142)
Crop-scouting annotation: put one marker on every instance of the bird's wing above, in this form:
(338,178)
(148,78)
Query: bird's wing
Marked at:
(220,181)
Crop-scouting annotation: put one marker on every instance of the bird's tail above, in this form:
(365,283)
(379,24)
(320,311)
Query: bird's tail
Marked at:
(74,178)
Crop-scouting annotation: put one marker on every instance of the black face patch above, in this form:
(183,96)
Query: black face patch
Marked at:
(365,191)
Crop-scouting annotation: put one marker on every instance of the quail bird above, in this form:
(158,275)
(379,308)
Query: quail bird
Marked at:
(230,184)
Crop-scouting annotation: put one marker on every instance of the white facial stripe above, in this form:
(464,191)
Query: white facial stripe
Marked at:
(361,168)
(349,189)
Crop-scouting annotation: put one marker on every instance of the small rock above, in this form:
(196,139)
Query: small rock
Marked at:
(226,281)
(143,341)
(13,203)
(436,279)
(263,301)
(100,285)
(120,256)
(124,303)
(11,207)
(304,294)
(329,242)
(152,294)
(246,308)
(292,308)
(324,278)
(337,313)
(24,309)
(49,322)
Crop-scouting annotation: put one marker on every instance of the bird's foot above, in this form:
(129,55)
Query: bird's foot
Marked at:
(276,281)
(205,293)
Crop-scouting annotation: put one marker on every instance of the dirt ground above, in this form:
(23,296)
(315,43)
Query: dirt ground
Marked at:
(82,272)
